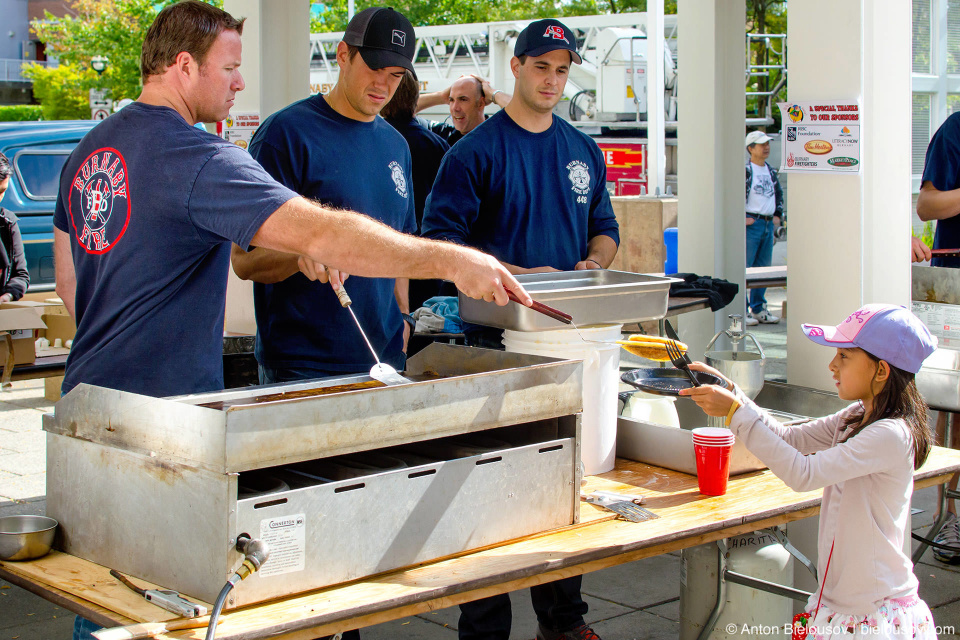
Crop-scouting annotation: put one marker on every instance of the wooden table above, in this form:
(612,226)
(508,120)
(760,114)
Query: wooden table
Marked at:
(753,501)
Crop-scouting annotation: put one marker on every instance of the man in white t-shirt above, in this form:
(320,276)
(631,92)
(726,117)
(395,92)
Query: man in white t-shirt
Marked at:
(764,212)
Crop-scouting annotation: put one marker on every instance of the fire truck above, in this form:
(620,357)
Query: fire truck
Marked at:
(605,97)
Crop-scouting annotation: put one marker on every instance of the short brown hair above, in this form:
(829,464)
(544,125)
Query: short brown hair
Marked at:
(189,26)
(403,104)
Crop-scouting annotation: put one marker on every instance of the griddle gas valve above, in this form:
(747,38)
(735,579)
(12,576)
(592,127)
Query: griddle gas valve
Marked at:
(255,553)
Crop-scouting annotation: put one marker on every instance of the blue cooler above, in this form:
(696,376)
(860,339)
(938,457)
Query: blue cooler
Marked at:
(670,241)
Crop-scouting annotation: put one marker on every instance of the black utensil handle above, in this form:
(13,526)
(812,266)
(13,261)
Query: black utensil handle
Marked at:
(692,376)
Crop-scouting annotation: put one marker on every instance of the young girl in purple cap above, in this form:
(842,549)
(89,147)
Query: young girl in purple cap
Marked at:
(863,457)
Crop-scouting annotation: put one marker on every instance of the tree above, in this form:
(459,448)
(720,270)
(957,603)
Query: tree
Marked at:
(766,16)
(63,92)
(332,16)
(111,28)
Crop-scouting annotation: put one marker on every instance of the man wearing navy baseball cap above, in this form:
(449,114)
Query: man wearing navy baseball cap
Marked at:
(530,189)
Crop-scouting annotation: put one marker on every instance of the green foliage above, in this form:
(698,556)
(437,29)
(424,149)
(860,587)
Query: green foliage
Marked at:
(111,28)
(64,91)
(927,235)
(20,112)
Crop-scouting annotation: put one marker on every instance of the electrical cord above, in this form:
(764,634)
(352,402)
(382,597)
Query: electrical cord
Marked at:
(255,553)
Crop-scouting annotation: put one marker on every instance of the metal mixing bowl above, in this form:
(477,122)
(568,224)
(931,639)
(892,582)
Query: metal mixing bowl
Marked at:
(26,537)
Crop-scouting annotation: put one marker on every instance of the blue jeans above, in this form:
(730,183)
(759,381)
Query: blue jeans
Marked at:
(759,254)
(558,606)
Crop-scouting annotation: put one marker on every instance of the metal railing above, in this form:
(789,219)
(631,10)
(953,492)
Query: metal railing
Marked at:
(11,69)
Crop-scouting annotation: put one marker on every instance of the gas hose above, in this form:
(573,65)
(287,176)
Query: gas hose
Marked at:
(255,553)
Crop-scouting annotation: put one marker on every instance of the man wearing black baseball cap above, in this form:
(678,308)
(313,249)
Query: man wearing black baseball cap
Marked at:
(384,37)
(335,149)
(530,189)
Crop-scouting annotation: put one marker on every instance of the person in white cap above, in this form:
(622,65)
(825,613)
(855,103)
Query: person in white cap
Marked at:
(764,210)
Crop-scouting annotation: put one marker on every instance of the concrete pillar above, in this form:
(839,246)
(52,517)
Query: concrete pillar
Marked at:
(276,69)
(849,234)
(656,150)
(711,115)
(276,53)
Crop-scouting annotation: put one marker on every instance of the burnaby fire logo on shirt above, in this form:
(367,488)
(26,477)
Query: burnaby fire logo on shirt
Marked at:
(396,172)
(99,202)
(579,175)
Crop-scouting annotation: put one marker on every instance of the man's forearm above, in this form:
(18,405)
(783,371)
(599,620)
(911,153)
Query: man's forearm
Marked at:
(434,99)
(401,291)
(64,272)
(263,265)
(354,243)
(933,204)
(602,249)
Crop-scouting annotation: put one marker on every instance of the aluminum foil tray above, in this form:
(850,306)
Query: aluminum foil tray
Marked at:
(592,297)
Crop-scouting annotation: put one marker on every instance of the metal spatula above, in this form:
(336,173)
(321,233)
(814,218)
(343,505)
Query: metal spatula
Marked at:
(380,371)
(625,506)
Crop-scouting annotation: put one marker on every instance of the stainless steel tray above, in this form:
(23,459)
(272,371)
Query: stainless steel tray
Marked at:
(938,380)
(672,448)
(595,296)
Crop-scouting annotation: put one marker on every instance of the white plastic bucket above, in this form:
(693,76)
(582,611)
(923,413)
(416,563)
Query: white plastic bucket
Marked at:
(647,407)
(601,381)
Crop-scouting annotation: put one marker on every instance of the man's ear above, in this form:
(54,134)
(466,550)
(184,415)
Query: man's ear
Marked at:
(515,66)
(343,53)
(185,63)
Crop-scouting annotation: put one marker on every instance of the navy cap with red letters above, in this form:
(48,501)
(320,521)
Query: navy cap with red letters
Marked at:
(385,38)
(547,35)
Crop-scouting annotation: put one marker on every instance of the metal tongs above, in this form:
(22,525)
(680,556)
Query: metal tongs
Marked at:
(624,505)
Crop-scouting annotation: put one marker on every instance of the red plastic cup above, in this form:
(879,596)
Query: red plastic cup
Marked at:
(713,468)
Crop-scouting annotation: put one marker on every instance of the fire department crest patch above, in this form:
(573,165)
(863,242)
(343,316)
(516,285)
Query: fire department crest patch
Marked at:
(99,201)
(396,172)
(579,175)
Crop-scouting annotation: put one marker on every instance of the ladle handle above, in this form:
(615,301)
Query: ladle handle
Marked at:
(548,311)
(342,294)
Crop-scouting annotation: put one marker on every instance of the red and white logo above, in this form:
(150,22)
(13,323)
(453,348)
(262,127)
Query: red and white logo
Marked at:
(99,201)
(555,32)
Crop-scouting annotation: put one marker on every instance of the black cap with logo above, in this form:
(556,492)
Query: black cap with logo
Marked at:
(546,35)
(385,38)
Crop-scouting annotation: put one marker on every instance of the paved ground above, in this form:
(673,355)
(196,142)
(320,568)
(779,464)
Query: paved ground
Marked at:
(637,601)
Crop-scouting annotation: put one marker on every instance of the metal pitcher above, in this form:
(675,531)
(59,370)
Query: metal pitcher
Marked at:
(745,368)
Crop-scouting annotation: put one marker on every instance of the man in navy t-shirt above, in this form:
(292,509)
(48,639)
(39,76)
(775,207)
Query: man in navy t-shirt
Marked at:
(426,153)
(149,205)
(530,189)
(940,200)
(334,149)
(940,189)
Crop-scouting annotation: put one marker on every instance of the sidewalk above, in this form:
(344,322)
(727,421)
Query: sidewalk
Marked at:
(636,601)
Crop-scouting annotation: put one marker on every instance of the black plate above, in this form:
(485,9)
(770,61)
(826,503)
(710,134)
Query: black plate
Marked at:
(666,382)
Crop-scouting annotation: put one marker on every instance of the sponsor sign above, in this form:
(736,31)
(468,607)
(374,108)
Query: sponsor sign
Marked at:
(820,137)
(239,128)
